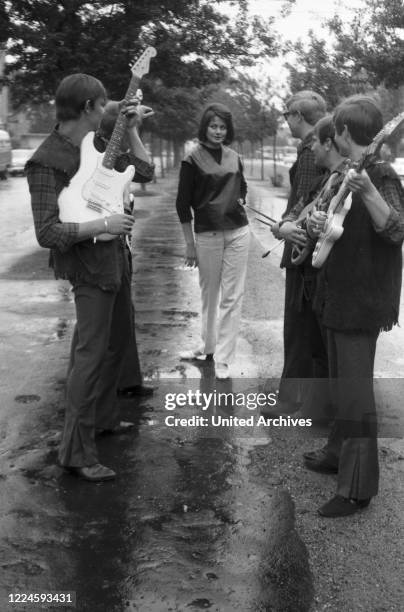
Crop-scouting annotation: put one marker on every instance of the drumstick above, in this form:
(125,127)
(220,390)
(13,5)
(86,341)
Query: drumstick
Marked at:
(261,213)
(264,222)
(273,249)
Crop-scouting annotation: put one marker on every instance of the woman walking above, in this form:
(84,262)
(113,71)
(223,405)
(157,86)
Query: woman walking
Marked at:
(212,192)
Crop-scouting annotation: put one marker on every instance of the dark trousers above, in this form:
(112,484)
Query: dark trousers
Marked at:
(98,348)
(353,437)
(131,374)
(304,352)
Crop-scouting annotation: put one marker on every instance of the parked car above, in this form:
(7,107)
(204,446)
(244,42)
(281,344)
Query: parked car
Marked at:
(289,160)
(5,154)
(19,158)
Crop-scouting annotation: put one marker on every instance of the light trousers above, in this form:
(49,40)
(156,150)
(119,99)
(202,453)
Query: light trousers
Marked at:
(222,262)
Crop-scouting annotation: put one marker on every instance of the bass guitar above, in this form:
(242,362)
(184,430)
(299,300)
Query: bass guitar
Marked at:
(97,190)
(341,203)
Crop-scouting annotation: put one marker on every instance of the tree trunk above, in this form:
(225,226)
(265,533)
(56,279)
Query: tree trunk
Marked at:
(252,148)
(262,158)
(178,148)
(161,158)
(151,142)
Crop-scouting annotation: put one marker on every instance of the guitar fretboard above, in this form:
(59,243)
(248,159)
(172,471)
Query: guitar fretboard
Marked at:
(114,145)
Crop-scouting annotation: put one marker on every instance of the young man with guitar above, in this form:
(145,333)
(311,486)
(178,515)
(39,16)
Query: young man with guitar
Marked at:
(304,109)
(93,256)
(357,297)
(315,398)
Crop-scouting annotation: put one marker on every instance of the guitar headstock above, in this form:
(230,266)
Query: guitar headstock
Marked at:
(142,64)
(387,131)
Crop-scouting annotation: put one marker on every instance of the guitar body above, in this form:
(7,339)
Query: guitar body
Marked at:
(300,254)
(332,232)
(94,191)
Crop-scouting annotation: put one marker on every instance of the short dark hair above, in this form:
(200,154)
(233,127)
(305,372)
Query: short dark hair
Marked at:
(219,110)
(325,128)
(73,93)
(362,116)
(108,119)
(309,104)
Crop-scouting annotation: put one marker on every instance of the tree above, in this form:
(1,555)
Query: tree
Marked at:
(374,40)
(48,40)
(319,68)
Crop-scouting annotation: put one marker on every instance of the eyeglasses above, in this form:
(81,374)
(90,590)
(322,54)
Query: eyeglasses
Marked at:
(288,113)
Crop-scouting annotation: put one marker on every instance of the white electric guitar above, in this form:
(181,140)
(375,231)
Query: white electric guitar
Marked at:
(341,203)
(97,190)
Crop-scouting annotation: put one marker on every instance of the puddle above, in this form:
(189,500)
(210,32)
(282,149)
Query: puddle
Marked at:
(26,399)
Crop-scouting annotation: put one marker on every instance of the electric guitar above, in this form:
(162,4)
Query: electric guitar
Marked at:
(320,202)
(341,203)
(97,190)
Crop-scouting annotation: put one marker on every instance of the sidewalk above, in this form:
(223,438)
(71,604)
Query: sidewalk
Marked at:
(356,563)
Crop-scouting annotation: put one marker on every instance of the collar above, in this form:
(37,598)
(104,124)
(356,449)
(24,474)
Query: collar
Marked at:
(306,142)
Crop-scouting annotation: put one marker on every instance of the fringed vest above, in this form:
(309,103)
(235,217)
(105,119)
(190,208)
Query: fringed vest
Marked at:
(359,285)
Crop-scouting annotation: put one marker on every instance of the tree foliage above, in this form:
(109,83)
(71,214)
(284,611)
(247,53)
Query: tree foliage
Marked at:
(374,40)
(370,44)
(195,42)
(319,68)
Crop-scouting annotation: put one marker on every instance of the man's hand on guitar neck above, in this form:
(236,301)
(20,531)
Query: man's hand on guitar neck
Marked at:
(132,109)
(135,112)
(359,182)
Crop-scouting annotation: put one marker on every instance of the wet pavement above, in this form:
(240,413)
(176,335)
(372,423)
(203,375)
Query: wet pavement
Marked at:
(192,521)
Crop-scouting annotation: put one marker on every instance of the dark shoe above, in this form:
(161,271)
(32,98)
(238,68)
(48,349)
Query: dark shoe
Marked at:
(121,428)
(320,453)
(93,473)
(342,506)
(135,391)
(322,463)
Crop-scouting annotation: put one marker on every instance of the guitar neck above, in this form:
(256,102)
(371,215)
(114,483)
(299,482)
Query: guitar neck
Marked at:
(114,145)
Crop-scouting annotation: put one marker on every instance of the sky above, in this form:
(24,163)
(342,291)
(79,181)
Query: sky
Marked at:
(304,15)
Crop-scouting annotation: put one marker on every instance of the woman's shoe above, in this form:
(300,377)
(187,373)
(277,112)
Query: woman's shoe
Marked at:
(196,355)
(342,506)
(222,371)
(93,473)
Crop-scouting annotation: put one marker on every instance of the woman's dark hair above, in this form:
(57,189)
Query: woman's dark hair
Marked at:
(325,128)
(219,110)
(74,92)
(362,116)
